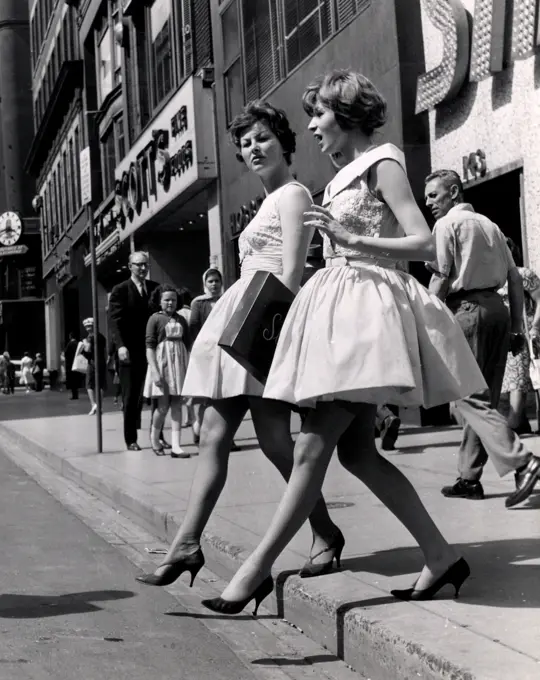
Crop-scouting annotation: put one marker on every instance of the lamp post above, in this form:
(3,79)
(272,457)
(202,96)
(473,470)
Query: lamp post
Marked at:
(86,197)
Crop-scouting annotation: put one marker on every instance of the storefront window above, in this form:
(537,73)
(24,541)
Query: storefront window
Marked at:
(162,50)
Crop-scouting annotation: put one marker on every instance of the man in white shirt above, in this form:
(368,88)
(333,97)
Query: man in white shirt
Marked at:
(472,263)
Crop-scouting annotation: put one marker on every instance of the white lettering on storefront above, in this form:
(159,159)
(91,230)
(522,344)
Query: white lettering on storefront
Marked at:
(482,56)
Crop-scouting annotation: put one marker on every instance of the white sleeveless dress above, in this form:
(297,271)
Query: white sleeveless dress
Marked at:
(212,373)
(362,331)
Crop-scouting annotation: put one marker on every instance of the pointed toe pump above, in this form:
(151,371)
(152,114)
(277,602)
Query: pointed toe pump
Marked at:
(221,606)
(309,570)
(192,563)
(456,575)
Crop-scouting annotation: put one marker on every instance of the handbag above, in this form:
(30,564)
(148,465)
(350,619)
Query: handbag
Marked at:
(80,363)
(253,330)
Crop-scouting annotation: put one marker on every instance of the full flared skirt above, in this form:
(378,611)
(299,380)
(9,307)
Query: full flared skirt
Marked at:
(212,373)
(172,358)
(373,335)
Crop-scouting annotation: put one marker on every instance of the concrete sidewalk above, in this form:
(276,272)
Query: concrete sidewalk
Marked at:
(490,633)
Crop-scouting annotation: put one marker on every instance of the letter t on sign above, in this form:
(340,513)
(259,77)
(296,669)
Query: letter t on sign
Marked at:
(446,79)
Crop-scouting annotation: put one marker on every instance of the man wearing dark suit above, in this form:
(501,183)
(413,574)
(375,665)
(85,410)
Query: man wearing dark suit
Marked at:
(129,311)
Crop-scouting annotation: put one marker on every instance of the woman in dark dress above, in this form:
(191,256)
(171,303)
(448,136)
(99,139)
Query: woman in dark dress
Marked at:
(88,352)
(72,377)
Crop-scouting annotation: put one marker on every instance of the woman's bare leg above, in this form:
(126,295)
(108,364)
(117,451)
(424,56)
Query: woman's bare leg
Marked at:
(176,424)
(272,422)
(358,454)
(517,409)
(312,452)
(221,420)
(158,419)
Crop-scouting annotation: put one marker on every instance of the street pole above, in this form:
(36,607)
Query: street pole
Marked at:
(86,196)
(95,314)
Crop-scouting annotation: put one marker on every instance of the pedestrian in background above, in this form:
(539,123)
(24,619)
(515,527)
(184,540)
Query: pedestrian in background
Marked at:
(113,370)
(38,372)
(167,351)
(185,310)
(472,264)
(27,379)
(129,311)
(72,377)
(9,374)
(88,351)
(517,380)
(201,307)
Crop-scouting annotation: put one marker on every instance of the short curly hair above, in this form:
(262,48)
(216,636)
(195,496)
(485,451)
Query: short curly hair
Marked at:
(155,297)
(276,119)
(352,97)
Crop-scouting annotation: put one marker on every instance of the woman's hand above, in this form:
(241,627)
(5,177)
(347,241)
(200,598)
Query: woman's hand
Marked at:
(322,219)
(157,379)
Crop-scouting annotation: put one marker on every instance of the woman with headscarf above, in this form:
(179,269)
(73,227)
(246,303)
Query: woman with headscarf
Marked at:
(88,352)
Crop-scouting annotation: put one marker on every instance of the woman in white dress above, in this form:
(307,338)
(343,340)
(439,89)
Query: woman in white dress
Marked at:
(275,241)
(360,333)
(27,379)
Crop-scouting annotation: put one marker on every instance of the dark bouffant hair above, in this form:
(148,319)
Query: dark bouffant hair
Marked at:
(353,98)
(259,111)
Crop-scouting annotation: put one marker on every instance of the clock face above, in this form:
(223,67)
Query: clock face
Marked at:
(10,228)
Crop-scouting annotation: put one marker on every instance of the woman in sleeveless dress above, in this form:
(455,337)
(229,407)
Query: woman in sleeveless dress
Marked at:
(360,333)
(275,241)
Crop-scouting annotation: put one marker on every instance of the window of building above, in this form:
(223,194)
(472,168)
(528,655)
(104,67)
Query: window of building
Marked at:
(161,35)
(232,73)
(279,34)
(77,174)
(108,52)
(307,23)
(112,152)
(262,45)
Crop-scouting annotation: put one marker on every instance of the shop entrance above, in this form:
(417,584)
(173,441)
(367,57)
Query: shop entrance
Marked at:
(500,199)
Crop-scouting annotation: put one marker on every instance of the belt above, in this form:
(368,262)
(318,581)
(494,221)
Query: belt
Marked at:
(357,262)
(458,295)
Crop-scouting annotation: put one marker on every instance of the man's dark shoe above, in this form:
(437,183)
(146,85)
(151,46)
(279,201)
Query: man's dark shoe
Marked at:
(526,478)
(464,488)
(133,447)
(390,432)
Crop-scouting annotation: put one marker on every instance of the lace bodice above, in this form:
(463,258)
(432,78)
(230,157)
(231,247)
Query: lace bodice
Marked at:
(261,242)
(352,203)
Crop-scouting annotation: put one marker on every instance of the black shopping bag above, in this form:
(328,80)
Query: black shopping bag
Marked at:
(253,330)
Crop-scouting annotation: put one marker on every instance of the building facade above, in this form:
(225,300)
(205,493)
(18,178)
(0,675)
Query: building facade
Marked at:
(21,298)
(150,129)
(481,93)
(131,81)
(53,160)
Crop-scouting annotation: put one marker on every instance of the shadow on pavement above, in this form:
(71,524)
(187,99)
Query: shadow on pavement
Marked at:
(14,606)
(303,661)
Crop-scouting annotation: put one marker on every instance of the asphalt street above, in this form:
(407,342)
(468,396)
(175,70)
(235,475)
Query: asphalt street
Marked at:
(70,607)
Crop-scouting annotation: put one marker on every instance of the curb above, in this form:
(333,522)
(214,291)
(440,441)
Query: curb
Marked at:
(352,634)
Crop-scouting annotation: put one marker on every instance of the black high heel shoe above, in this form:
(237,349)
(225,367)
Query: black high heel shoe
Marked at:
(455,575)
(309,570)
(221,606)
(192,563)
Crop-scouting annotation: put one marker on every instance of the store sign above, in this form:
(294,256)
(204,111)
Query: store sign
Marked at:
(171,161)
(496,24)
(62,268)
(13,250)
(239,220)
(29,282)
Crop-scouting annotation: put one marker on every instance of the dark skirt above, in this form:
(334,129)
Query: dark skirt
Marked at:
(91,378)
